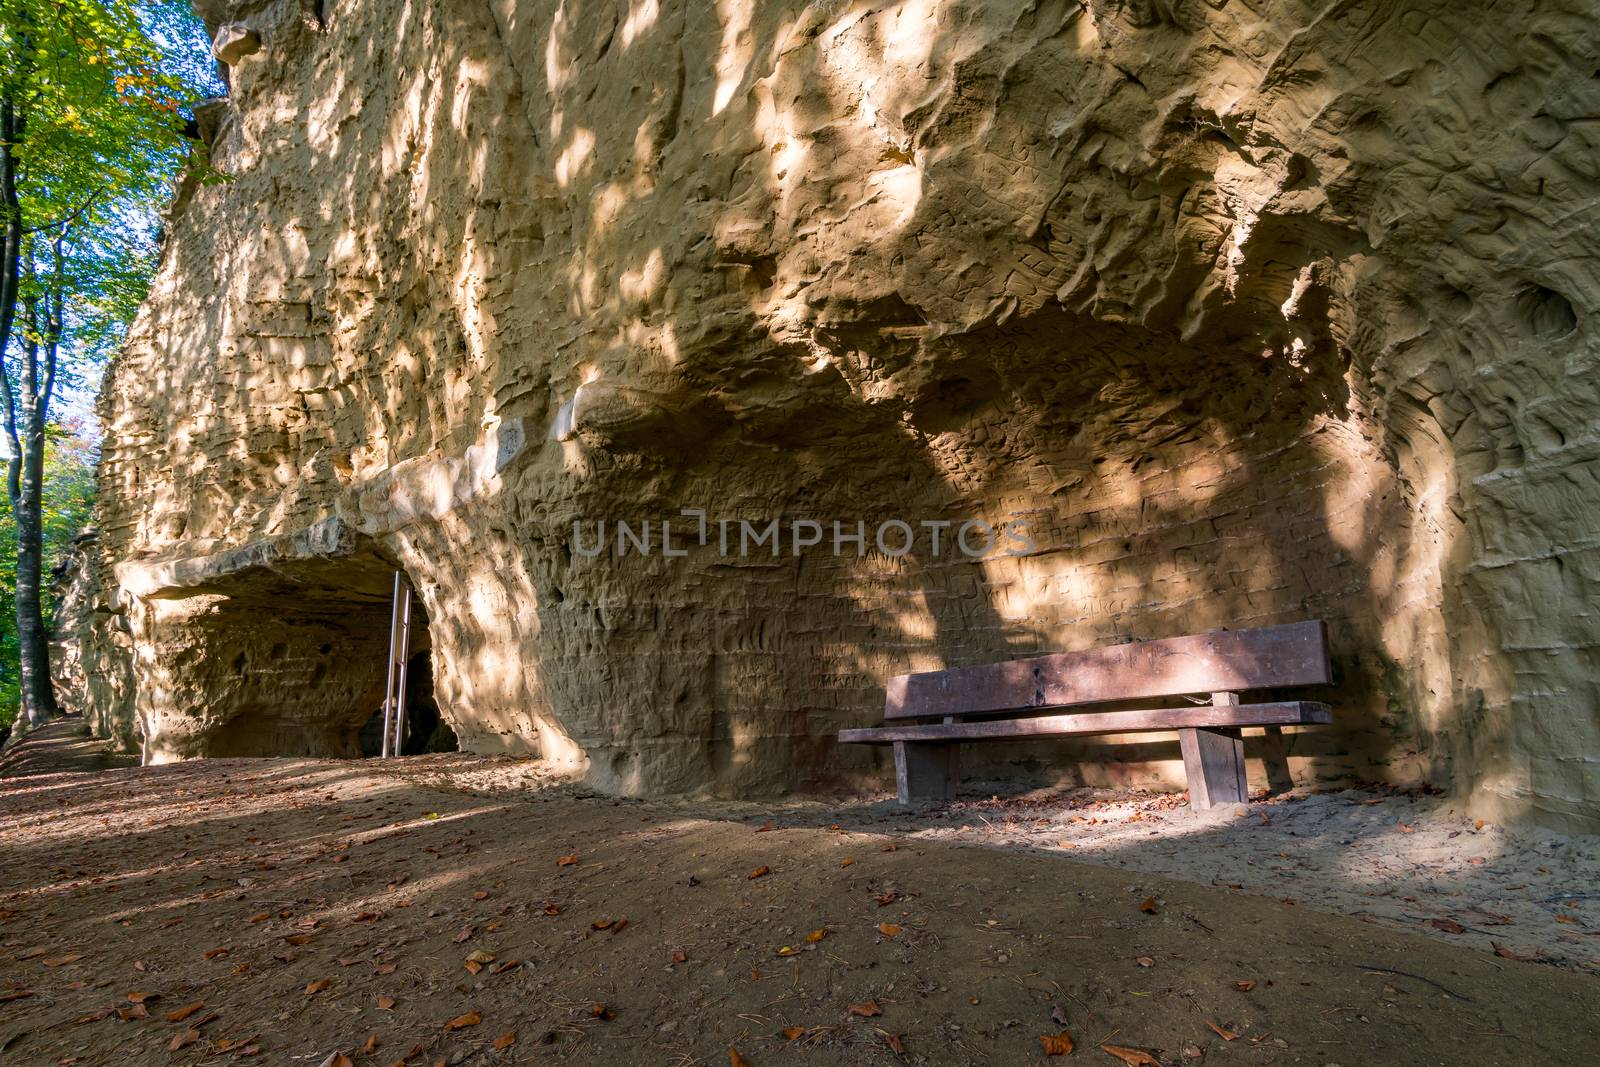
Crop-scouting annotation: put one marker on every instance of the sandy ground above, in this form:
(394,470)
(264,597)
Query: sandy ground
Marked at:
(464,910)
(1409,862)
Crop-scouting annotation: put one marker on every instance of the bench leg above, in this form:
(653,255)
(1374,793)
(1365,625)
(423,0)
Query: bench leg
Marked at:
(1213,761)
(925,772)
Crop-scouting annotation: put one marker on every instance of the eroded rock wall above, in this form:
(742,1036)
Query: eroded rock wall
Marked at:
(91,653)
(1252,312)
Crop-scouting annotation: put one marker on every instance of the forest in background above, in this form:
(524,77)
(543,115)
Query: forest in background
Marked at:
(96,126)
(68,507)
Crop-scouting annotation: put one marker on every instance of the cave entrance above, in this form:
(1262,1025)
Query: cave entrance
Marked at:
(407,722)
(423,728)
(301,650)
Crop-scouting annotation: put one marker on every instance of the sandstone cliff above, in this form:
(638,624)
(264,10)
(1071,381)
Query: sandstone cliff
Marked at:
(1251,311)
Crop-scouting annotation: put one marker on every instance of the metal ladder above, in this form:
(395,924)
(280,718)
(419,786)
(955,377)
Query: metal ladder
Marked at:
(394,696)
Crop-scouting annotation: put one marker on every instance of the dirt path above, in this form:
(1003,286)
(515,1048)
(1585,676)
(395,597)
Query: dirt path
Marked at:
(285,911)
(1410,862)
(58,747)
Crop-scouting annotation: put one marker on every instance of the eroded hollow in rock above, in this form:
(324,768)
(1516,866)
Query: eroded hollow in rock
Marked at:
(304,648)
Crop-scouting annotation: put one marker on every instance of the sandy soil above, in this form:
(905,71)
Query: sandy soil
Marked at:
(428,910)
(1410,862)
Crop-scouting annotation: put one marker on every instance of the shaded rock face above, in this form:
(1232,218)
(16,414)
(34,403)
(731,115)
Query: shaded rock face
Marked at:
(1247,313)
(91,656)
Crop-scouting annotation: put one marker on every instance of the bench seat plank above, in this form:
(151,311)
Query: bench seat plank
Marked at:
(1281,713)
(1268,657)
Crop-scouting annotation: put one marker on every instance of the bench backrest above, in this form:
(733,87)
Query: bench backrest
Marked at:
(1269,657)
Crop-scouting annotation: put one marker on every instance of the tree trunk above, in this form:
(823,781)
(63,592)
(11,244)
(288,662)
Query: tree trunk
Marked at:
(25,484)
(33,637)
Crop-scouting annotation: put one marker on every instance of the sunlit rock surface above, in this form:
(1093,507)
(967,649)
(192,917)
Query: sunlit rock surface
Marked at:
(1251,312)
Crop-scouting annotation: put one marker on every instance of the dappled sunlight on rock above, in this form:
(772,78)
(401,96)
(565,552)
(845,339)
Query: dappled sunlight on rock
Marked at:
(1248,316)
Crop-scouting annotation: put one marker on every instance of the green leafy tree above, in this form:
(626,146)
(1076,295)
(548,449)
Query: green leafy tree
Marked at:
(91,135)
(71,452)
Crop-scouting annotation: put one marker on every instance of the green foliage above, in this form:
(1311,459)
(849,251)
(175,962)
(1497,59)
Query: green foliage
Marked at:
(96,95)
(69,484)
(100,142)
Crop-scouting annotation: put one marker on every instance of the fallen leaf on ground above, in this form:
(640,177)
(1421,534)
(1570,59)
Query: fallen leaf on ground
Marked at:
(385,1003)
(847,861)
(816,935)
(736,1060)
(1222,1031)
(760,872)
(1148,906)
(183,1040)
(259,917)
(1403,828)
(567,861)
(1245,986)
(133,1011)
(1144,961)
(1449,926)
(1513,954)
(552,909)
(337,1059)
(371,1044)
(792,1032)
(866,1009)
(600,1011)
(140,998)
(788,950)
(1056,1044)
(894,1042)
(889,929)
(312,988)
(461,1022)
(505,1040)
(1133,1057)
(1566,919)
(679,956)
(62,961)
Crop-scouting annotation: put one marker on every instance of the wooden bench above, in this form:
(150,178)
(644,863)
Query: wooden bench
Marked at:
(1000,702)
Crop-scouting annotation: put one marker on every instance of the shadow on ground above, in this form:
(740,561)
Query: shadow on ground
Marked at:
(431,909)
